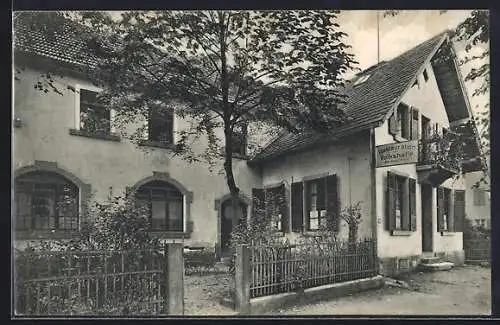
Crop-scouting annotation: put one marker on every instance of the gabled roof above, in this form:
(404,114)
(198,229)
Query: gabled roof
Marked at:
(368,103)
(62,46)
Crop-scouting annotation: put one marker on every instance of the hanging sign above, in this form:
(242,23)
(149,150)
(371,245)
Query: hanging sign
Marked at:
(397,153)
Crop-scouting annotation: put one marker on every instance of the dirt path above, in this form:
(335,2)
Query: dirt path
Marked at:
(460,291)
(202,295)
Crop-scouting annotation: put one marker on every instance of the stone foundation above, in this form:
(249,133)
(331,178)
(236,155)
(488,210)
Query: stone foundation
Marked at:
(455,257)
(393,266)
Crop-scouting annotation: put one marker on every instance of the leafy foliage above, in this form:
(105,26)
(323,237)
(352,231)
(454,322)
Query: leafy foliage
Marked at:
(116,232)
(353,217)
(217,68)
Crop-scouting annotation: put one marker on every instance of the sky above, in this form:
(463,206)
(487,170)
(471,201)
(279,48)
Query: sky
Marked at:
(401,33)
(398,34)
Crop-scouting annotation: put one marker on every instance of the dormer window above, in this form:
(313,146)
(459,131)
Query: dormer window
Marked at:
(361,79)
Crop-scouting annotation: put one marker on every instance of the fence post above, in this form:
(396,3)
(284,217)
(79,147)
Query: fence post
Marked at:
(174,279)
(242,279)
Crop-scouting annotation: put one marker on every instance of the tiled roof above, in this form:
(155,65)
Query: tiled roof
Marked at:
(368,103)
(63,46)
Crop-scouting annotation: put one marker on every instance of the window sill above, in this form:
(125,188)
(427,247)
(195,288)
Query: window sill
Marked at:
(401,233)
(240,156)
(399,138)
(156,144)
(159,234)
(45,234)
(110,137)
(448,233)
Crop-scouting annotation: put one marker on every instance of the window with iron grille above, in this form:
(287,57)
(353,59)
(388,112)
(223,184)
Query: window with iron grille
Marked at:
(46,201)
(164,204)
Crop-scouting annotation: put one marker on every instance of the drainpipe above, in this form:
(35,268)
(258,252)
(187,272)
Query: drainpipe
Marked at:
(373,190)
(349,159)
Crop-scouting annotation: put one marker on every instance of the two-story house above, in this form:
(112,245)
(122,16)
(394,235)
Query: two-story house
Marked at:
(411,208)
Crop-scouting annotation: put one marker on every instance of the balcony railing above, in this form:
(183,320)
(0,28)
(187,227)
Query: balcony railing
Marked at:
(441,151)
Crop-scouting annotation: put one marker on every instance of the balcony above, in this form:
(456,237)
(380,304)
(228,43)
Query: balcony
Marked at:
(439,158)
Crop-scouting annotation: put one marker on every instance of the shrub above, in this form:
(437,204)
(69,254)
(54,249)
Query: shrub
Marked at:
(107,230)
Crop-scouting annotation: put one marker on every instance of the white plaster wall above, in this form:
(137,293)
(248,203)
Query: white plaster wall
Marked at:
(355,182)
(112,166)
(427,99)
(472,211)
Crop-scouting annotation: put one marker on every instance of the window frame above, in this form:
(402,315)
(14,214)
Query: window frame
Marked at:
(148,141)
(449,204)
(243,133)
(320,208)
(264,204)
(479,197)
(408,198)
(77,121)
(57,188)
(167,188)
(303,191)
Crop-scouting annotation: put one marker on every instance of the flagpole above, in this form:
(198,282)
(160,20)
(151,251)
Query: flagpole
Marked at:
(378,38)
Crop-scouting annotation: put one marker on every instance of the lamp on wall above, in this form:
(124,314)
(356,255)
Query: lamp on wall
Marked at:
(17,122)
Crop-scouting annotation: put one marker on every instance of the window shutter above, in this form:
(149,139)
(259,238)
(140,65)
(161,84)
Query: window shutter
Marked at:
(391,203)
(169,128)
(451,208)
(414,124)
(333,201)
(393,124)
(413,204)
(258,203)
(440,208)
(297,206)
(459,211)
(321,202)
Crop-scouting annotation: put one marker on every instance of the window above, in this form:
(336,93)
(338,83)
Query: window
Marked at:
(315,206)
(479,196)
(269,204)
(160,124)
(450,209)
(46,201)
(239,144)
(95,118)
(315,203)
(401,203)
(361,79)
(165,206)
(405,123)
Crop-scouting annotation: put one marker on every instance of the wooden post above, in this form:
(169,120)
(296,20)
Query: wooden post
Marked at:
(174,279)
(242,280)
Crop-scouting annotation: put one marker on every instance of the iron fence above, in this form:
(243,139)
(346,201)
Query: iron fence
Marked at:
(90,282)
(477,249)
(288,268)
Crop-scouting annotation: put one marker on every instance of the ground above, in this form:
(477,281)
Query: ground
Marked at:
(460,291)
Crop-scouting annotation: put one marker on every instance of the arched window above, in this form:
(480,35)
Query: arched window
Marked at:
(45,201)
(165,205)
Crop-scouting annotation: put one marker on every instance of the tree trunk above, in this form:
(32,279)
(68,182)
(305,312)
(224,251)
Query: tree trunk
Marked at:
(228,131)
